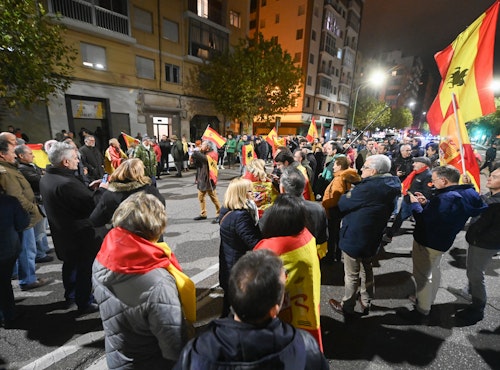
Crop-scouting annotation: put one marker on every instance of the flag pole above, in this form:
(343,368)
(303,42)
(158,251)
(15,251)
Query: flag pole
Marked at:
(459,132)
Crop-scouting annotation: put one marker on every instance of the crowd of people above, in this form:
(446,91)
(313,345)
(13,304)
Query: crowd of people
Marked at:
(294,203)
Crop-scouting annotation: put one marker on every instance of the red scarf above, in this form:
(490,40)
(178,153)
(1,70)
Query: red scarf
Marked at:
(127,253)
(409,179)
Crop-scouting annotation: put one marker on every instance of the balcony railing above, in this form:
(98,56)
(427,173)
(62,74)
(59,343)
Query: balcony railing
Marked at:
(86,12)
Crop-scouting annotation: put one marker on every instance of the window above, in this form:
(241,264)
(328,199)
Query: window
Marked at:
(308,102)
(205,39)
(301,10)
(202,8)
(93,56)
(234,19)
(329,107)
(297,57)
(263,3)
(145,67)
(170,30)
(311,58)
(309,81)
(325,86)
(330,47)
(172,73)
(143,20)
(262,23)
(253,24)
(299,34)
(320,104)
(313,35)
(277,18)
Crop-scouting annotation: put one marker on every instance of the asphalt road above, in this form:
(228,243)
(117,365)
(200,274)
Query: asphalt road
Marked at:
(51,337)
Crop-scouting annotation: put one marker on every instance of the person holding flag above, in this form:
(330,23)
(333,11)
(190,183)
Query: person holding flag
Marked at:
(312,133)
(466,68)
(205,160)
(211,135)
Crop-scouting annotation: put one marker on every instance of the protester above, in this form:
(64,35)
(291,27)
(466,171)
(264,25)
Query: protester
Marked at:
(205,161)
(254,338)
(13,220)
(178,154)
(129,178)
(143,295)
(483,236)
(286,234)
(490,155)
(418,181)
(342,181)
(92,158)
(14,184)
(113,156)
(230,150)
(147,155)
(165,147)
(69,203)
(284,159)
(402,164)
(439,220)
(239,230)
(365,210)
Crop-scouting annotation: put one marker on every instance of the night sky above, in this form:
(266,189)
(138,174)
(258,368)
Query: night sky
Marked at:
(420,27)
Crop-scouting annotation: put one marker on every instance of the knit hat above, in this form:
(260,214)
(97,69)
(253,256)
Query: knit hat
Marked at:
(423,160)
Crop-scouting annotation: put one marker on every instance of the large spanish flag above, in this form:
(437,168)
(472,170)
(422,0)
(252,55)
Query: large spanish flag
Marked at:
(213,136)
(466,68)
(303,285)
(452,134)
(312,133)
(129,139)
(41,159)
(213,171)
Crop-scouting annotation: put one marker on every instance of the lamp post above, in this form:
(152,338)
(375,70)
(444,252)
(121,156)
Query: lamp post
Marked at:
(376,79)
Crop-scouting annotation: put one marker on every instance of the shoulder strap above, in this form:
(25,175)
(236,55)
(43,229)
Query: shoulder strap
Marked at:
(220,222)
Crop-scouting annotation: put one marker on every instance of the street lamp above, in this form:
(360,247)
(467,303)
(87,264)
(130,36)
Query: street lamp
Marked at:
(376,79)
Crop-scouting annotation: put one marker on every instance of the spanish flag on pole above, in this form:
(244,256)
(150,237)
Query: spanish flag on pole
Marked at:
(312,133)
(214,137)
(455,148)
(303,285)
(272,138)
(129,139)
(466,68)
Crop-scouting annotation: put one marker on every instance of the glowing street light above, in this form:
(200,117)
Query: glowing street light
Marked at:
(376,79)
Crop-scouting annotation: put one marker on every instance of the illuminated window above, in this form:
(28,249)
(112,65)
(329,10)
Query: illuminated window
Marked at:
(202,8)
(93,56)
(234,19)
(145,67)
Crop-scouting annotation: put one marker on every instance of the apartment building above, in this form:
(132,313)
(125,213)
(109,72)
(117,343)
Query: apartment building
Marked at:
(322,37)
(135,66)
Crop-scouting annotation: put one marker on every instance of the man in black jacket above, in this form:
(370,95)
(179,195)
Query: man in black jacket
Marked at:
(92,159)
(254,338)
(484,242)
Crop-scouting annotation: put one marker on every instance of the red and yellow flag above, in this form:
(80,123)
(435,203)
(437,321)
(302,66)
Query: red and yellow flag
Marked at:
(213,171)
(247,154)
(303,285)
(129,139)
(449,148)
(312,133)
(271,137)
(41,159)
(213,136)
(466,68)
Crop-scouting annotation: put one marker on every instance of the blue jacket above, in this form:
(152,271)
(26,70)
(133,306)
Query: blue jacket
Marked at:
(365,211)
(444,215)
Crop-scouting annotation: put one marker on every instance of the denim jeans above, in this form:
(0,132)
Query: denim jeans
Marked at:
(77,280)
(26,260)
(42,244)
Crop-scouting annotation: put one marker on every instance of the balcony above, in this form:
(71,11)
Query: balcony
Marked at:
(83,15)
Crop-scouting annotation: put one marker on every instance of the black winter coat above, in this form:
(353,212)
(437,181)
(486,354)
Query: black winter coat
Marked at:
(238,235)
(68,204)
(484,231)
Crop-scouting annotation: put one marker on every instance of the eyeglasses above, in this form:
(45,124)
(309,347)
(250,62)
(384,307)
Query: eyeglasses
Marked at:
(366,168)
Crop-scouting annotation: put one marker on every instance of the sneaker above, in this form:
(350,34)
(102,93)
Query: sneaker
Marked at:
(215,220)
(413,316)
(386,239)
(36,284)
(460,292)
(222,168)
(44,259)
(198,218)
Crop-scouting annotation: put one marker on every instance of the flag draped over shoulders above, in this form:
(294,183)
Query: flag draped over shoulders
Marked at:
(213,171)
(303,287)
(129,139)
(466,69)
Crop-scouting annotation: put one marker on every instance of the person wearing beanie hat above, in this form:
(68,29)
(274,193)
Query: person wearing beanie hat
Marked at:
(419,180)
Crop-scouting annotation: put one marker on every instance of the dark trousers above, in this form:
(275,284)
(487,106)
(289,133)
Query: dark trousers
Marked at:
(7,305)
(164,165)
(230,159)
(334,252)
(77,280)
(178,166)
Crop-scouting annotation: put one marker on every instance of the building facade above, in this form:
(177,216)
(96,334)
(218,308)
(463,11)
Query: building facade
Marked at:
(322,37)
(136,65)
